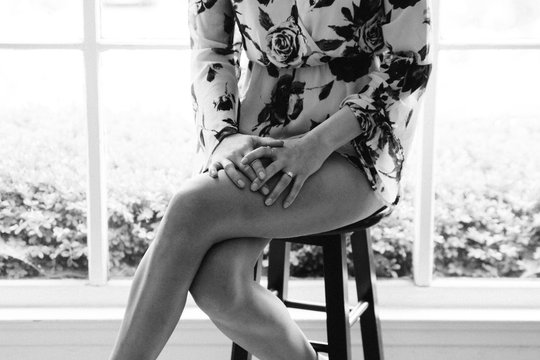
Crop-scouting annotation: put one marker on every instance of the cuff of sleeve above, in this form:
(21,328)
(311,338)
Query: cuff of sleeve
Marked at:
(378,150)
(211,143)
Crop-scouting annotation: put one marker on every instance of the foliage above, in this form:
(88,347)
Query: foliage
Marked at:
(487,235)
(43,233)
(487,203)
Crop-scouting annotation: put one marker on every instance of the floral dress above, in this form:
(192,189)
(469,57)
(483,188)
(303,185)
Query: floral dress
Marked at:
(306,59)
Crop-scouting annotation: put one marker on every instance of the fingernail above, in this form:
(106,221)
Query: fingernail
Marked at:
(254,186)
(243,161)
(261,174)
(241,183)
(286,204)
(268,202)
(265,190)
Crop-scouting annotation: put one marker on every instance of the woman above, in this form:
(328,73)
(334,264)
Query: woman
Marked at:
(311,136)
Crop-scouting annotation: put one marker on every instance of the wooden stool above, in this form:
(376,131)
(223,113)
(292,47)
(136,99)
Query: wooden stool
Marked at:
(339,316)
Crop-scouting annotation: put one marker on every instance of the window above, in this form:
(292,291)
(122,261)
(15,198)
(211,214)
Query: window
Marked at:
(111,93)
(121,93)
(486,157)
(42,117)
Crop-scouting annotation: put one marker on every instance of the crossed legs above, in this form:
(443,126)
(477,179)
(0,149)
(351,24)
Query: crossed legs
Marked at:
(205,225)
(241,308)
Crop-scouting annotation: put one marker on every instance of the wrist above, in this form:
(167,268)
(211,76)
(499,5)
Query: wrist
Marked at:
(228,137)
(337,130)
(317,143)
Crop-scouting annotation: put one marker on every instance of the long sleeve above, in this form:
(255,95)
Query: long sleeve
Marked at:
(393,88)
(214,73)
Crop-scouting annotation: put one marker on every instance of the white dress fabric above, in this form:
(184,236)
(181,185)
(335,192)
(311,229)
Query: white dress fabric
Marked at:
(306,59)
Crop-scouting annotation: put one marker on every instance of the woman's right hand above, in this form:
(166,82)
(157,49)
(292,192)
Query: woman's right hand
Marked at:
(231,150)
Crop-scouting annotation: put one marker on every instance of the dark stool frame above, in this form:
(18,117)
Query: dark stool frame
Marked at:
(339,316)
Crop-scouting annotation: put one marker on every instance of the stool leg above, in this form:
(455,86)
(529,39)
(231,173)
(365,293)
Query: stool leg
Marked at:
(337,308)
(278,267)
(364,270)
(238,352)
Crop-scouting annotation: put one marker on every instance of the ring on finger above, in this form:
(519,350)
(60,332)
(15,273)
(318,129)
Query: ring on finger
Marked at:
(290,173)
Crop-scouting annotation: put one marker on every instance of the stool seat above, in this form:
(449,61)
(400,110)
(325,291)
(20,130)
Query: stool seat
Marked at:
(340,317)
(362,224)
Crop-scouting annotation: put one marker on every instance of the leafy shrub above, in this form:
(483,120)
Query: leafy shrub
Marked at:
(43,232)
(487,235)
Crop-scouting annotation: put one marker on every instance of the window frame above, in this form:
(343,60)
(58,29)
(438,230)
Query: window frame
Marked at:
(100,291)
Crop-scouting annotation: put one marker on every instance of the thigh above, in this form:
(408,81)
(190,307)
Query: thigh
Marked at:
(336,195)
(229,262)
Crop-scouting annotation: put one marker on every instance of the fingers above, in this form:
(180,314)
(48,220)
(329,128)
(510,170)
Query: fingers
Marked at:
(258,168)
(278,189)
(258,184)
(266,141)
(298,183)
(236,176)
(250,173)
(264,151)
(233,173)
(213,169)
(271,170)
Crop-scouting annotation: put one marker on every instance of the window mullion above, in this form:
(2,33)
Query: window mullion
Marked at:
(98,251)
(423,257)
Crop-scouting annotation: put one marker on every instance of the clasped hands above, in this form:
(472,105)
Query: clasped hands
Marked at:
(295,158)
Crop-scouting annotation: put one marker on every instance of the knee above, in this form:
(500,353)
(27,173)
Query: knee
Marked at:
(188,212)
(222,303)
(201,206)
(219,291)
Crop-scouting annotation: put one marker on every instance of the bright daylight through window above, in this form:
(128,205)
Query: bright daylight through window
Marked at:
(486,152)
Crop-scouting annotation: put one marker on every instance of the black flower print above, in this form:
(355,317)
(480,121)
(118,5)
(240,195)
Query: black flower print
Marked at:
(369,35)
(286,44)
(320,3)
(296,101)
(225,101)
(384,106)
(214,85)
(274,113)
(402,4)
(203,5)
(368,126)
(304,64)
(227,130)
(212,70)
(325,91)
(350,68)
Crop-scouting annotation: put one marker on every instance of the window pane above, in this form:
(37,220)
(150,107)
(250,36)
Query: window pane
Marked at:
(150,145)
(393,236)
(42,165)
(41,20)
(492,20)
(488,165)
(144,19)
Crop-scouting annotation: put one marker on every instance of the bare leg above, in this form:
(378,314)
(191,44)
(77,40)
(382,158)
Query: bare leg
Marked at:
(207,211)
(242,309)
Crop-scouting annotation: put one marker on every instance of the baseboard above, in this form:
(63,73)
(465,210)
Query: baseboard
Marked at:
(88,334)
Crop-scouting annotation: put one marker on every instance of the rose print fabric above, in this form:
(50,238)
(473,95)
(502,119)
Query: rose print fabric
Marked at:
(306,59)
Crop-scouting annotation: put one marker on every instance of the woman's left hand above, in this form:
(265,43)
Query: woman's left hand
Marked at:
(298,159)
